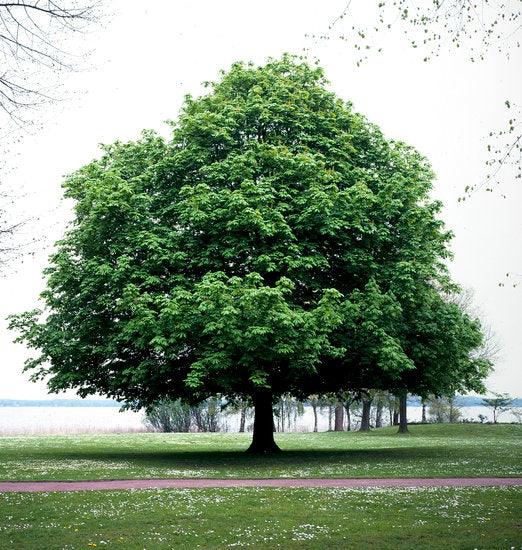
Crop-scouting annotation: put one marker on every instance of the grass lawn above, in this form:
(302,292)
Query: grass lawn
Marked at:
(438,450)
(485,518)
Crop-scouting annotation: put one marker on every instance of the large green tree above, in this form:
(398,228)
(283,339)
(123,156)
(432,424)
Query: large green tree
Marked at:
(273,245)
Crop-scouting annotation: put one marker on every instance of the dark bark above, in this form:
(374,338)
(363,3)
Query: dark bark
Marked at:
(263,437)
(378,414)
(423,411)
(314,408)
(348,417)
(242,419)
(403,418)
(339,418)
(330,414)
(347,407)
(365,418)
(395,412)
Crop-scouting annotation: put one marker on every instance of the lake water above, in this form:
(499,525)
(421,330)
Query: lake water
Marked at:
(70,420)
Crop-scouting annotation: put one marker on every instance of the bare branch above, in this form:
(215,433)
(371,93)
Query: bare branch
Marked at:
(52,9)
(477,27)
(31,35)
(490,348)
(433,26)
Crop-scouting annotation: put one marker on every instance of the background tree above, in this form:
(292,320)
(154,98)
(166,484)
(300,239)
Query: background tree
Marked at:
(425,344)
(240,407)
(287,411)
(437,409)
(500,403)
(392,405)
(366,399)
(423,406)
(169,416)
(380,402)
(339,417)
(454,410)
(403,412)
(277,244)
(318,403)
(349,402)
(243,412)
(443,409)
(314,404)
(207,415)
(444,343)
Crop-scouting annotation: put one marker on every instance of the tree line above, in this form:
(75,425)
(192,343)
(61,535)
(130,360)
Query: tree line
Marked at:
(343,413)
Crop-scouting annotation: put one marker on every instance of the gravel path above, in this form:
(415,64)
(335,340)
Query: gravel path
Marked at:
(351,483)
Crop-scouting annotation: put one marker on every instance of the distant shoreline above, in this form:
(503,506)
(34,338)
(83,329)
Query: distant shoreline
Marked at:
(59,403)
(461,401)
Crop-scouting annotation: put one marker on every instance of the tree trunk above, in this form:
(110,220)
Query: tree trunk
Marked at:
(242,419)
(365,417)
(330,418)
(348,418)
(263,436)
(423,411)
(403,418)
(314,408)
(339,418)
(395,412)
(378,414)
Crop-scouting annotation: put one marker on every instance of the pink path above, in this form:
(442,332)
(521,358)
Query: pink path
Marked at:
(351,483)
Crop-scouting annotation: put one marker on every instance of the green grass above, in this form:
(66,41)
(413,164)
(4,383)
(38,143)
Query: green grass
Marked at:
(482,518)
(467,450)
(485,518)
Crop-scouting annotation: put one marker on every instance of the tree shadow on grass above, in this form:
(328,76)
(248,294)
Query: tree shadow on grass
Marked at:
(237,461)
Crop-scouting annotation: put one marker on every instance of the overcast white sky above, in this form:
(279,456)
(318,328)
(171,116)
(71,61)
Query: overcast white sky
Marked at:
(152,53)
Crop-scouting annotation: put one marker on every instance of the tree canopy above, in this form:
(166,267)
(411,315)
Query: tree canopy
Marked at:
(499,403)
(277,243)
